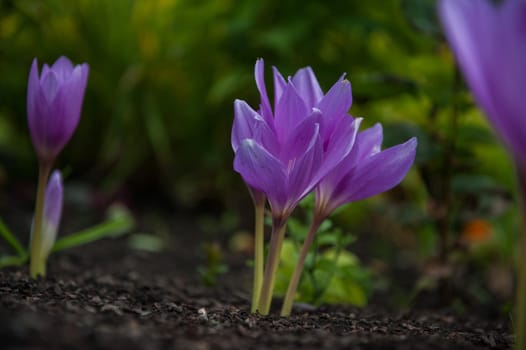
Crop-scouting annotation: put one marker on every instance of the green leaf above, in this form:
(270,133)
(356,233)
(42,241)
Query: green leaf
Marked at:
(146,242)
(119,223)
(11,240)
(13,260)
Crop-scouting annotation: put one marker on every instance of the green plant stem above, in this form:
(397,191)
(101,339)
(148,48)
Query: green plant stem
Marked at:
(37,264)
(520,325)
(295,279)
(259,213)
(271,267)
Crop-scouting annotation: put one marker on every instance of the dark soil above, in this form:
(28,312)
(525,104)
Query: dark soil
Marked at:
(108,296)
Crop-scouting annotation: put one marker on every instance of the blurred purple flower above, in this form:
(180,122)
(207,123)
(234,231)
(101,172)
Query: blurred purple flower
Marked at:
(489,42)
(285,152)
(364,172)
(54,101)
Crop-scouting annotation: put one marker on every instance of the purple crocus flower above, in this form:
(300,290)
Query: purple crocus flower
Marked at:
(489,42)
(54,101)
(285,152)
(364,172)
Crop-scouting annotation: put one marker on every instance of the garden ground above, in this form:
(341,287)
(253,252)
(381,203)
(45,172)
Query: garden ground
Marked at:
(106,295)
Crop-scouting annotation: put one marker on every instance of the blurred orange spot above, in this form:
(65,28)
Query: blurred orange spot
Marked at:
(476,231)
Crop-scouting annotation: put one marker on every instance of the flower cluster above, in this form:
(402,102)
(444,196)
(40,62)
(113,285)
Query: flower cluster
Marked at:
(307,142)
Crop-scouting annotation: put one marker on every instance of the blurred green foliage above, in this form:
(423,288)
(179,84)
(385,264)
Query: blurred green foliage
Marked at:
(164,74)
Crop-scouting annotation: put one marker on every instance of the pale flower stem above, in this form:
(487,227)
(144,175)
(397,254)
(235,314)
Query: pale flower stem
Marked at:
(520,324)
(37,264)
(259,211)
(295,279)
(271,267)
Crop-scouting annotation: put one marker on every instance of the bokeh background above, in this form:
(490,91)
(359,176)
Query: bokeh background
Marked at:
(156,121)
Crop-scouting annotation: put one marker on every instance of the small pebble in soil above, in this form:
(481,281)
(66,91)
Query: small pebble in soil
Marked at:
(202,314)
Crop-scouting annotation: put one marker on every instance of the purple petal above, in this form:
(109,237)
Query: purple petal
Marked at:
(300,138)
(245,119)
(465,23)
(259,73)
(369,142)
(302,174)
(340,143)
(290,111)
(38,124)
(279,86)
(45,70)
(62,68)
(33,88)
(509,82)
(248,124)
(377,174)
(53,200)
(308,87)
(337,101)
(50,85)
(489,43)
(67,107)
(262,171)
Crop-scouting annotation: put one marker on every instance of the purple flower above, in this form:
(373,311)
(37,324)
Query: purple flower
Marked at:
(284,152)
(489,42)
(364,172)
(54,101)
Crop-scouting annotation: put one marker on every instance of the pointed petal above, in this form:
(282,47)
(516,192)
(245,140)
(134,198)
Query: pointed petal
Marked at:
(338,163)
(341,142)
(300,138)
(290,111)
(33,88)
(279,86)
(262,171)
(50,85)
(259,73)
(72,94)
(40,124)
(248,124)
(45,70)
(245,119)
(308,87)
(369,142)
(337,101)
(379,173)
(62,68)
(302,175)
